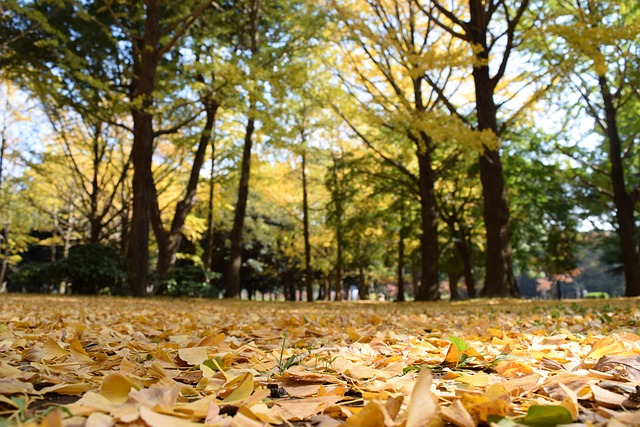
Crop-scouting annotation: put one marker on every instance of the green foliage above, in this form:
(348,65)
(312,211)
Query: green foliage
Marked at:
(283,364)
(190,281)
(91,269)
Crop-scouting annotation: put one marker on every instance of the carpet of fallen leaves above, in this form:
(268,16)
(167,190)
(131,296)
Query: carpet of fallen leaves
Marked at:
(75,361)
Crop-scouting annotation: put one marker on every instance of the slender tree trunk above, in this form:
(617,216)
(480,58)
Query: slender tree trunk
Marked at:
(467,265)
(454,279)
(625,212)
(320,292)
(400,272)
(4,238)
(208,247)
(169,241)
(415,277)
(339,265)
(94,217)
(308,273)
(145,65)
(362,284)
(235,256)
(428,206)
(430,252)
(232,289)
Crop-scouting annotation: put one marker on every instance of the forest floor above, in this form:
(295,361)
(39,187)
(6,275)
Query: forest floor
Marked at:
(101,361)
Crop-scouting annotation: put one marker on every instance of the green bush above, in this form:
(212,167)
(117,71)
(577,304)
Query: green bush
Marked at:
(92,269)
(190,281)
(32,277)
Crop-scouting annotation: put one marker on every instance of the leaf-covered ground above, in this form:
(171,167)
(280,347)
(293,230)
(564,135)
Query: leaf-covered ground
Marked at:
(69,361)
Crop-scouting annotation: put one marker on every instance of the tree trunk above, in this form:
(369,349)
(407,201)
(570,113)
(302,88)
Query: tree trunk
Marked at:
(235,256)
(169,241)
(454,279)
(499,279)
(622,200)
(400,272)
(5,255)
(363,294)
(208,246)
(95,221)
(467,265)
(415,278)
(232,289)
(428,206)
(339,265)
(308,273)
(145,65)
(430,252)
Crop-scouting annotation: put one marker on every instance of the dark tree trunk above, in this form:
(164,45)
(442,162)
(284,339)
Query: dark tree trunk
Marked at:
(363,291)
(415,277)
(169,240)
(208,247)
(95,222)
(499,279)
(308,273)
(430,252)
(454,279)
(464,248)
(428,206)
(145,64)
(625,212)
(232,289)
(400,271)
(321,292)
(4,238)
(339,266)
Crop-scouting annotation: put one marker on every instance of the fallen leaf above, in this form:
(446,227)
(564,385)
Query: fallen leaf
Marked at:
(457,414)
(242,391)
(193,355)
(116,387)
(422,409)
(154,419)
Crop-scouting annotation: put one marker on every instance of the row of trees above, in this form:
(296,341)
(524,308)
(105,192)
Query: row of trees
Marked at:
(462,138)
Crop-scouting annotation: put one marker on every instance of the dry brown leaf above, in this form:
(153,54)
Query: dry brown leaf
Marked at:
(294,410)
(154,419)
(620,367)
(98,419)
(422,409)
(609,399)
(193,355)
(458,415)
(9,386)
